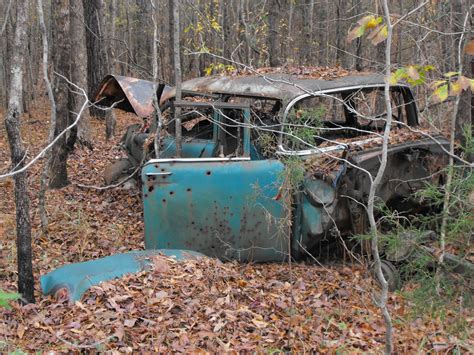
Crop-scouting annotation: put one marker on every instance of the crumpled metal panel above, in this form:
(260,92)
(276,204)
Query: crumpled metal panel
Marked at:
(77,278)
(129,94)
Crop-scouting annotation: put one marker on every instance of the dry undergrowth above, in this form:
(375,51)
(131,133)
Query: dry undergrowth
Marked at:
(195,305)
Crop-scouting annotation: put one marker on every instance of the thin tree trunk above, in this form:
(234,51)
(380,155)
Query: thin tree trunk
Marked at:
(464,113)
(450,174)
(113,34)
(12,123)
(61,54)
(171,38)
(273,24)
(78,68)
(177,70)
(157,114)
(382,301)
(96,61)
(44,175)
(226,31)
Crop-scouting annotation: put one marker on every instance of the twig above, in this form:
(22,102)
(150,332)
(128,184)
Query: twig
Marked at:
(5,19)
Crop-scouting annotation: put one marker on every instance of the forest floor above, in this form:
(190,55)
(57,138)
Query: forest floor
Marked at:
(201,305)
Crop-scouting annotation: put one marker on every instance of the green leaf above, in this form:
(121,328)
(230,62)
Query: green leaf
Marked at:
(398,75)
(342,326)
(7,297)
(441,93)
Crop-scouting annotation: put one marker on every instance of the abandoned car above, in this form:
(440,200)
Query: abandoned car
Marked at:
(219,183)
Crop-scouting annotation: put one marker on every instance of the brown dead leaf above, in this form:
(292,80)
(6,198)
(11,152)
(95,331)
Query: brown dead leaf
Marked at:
(160,264)
(20,331)
(469,48)
(130,322)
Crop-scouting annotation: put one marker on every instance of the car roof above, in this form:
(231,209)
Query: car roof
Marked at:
(276,86)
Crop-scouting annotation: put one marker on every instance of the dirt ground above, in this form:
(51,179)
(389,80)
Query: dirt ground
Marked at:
(200,306)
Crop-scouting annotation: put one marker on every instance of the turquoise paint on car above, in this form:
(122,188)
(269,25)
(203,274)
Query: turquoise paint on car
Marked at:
(77,278)
(224,208)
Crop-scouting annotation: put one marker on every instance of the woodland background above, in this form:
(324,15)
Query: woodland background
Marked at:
(323,307)
(119,35)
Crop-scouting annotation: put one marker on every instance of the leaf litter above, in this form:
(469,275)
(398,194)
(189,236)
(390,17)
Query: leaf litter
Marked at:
(200,306)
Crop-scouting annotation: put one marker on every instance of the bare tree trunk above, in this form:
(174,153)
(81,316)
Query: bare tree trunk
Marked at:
(450,173)
(382,300)
(245,32)
(78,68)
(226,31)
(177,70)
(96,61)
(113,34)
(273,24)
(464,113)
(44,175)
(157,114)
(306,32)
(128,37)
(171,37)
(12,123)
(61,54)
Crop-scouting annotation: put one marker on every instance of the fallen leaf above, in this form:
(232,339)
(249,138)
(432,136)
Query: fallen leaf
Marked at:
(129,322)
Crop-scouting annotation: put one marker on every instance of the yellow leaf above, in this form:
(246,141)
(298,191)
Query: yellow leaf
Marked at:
(413,73)
(393,79)
(451,74)
(455,89)
(441,93)
(380,35)
(365,20)
(359,31)
(372,23)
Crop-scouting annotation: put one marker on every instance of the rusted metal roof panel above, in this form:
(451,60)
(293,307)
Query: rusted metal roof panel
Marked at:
(128,94)
(275,86)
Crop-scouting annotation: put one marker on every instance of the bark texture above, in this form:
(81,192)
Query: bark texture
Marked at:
(273,29)
(79,68)
(96,50)
(12,123)
(61,54)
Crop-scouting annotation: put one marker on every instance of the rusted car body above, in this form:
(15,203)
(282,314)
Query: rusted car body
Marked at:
(260,167)
(222,195)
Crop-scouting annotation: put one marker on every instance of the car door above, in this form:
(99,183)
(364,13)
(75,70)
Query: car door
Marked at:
(222,207)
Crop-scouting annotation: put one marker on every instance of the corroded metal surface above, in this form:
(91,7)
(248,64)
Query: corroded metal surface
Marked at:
(128,94)
(275,86)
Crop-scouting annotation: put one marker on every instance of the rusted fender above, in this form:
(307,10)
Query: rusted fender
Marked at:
(129,94)
(77,278)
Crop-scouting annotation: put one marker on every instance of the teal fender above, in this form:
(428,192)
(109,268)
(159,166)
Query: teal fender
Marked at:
(77,278)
